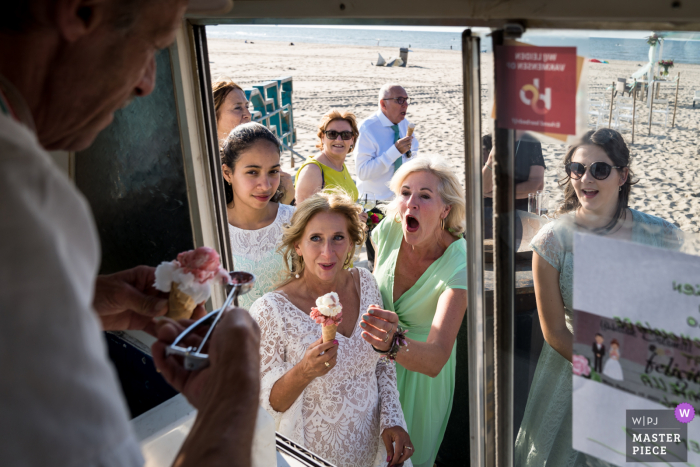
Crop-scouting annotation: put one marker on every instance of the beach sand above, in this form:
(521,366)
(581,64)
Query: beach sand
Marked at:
(342,77)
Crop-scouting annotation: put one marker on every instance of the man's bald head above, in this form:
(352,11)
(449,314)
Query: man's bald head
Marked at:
(389,105)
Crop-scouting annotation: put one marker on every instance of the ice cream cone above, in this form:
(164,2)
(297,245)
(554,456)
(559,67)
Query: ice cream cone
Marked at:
(410,129)
(329,332)
(180,305)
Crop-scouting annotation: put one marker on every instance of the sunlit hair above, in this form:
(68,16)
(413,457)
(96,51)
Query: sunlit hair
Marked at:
(616,149)
(449,189)
(332,116)
(335,201)
(241,139)
(385,91)
(221,88)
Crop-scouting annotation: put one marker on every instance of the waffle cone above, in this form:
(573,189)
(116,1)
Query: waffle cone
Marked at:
(180,305)
(329,332)
(409,131)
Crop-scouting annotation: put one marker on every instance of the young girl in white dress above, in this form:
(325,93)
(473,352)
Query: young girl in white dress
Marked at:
(250,161)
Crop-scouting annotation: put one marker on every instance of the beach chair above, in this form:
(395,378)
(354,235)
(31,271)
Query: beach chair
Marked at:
(696,98)
(597,108)
(621,87)
(665,110)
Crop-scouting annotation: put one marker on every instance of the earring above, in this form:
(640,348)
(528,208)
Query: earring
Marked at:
(297,276)
(442,224)
(620,189)
(398,221)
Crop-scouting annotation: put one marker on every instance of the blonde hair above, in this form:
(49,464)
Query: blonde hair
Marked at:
(335,201)
(220,89)
(449,189)
(332,116)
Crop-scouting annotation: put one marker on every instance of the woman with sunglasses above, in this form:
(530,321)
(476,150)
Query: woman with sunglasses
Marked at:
(596,200)
(337,133)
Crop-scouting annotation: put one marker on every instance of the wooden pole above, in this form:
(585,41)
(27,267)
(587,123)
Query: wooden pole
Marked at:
(675,102)
(612,99)
(634,108)
(651,107)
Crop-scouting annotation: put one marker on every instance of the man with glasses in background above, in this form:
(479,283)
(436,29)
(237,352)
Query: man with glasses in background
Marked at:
(383,145)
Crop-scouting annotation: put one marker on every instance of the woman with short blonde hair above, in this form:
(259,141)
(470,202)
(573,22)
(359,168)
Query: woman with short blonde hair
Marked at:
(421,269)
(337,133)
(336,398)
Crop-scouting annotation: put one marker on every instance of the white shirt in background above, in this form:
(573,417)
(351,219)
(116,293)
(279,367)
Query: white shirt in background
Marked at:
(60,401)
(375,154)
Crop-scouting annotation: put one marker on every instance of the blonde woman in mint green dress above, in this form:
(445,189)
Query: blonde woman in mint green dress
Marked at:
(420,267)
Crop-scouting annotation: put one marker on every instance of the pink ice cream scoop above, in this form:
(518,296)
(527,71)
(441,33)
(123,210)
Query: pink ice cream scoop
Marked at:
(203,263)
(324,320)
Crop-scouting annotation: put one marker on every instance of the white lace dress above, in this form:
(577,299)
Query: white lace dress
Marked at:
(339,416)
(255,251)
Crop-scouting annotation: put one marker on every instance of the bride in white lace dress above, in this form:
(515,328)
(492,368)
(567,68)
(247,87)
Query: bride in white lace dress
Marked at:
(250,161)
(337,399)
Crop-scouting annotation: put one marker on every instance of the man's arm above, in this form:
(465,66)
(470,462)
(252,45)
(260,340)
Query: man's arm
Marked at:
(369,162)
(226,394)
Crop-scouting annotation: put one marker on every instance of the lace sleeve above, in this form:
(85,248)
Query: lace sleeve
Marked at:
(547,244)
(390,413)
(273,344)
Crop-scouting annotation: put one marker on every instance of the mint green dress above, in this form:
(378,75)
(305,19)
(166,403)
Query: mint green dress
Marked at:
(426,401)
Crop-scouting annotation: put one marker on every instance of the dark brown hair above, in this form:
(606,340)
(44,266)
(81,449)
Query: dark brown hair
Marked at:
(242,138)
(616,149)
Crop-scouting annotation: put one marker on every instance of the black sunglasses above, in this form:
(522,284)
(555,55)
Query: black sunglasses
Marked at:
(333,135)
(599,170)
(399,100)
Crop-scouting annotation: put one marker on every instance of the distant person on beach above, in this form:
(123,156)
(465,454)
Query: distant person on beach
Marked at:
(65,69)
(529,171)
(232,109)
(597,190)
(382,147)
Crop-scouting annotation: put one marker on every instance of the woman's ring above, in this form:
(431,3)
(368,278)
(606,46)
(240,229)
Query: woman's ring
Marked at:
(409,448)
(327,364)
(388,334)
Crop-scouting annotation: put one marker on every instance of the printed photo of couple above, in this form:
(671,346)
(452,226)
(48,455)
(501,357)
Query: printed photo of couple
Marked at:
(611,368)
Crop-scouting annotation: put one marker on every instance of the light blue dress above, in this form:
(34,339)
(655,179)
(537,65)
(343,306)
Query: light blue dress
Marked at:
(545,433)
(255,251)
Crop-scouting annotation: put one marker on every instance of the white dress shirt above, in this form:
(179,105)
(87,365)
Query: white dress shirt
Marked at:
(375,154)
(61,400)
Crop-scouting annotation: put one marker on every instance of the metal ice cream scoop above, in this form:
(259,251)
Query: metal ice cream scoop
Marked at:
(241,283)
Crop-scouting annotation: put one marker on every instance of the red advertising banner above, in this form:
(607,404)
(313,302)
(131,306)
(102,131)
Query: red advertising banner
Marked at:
(536,89)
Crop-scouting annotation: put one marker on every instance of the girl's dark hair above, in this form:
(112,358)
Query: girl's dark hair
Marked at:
(616,149)
(614,342)
(242,138)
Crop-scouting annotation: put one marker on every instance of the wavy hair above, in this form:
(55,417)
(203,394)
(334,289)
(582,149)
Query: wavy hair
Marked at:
(335,201)
(242,138)
(449,189)
(616,149)
(332,116)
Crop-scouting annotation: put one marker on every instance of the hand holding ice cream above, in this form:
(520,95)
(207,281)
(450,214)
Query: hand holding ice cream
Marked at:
(328,312)
(189,279)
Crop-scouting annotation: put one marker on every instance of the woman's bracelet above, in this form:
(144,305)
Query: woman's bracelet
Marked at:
(488,167)
(398,341)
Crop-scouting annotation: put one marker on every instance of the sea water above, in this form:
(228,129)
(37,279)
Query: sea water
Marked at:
(602,48)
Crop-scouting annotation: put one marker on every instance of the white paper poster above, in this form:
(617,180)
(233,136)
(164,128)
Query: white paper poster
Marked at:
(636,348)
